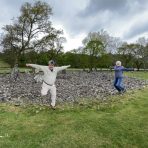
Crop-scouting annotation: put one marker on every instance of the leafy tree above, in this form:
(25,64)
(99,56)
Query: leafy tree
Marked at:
(32,30)
(94,47)
(133,52)
(143,50)
(105,61)
(125,53)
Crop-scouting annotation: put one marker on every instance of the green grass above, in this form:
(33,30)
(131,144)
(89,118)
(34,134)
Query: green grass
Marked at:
(3,64)
(4,67)
(120,122)
(8,70)
(137,74)
(5,70)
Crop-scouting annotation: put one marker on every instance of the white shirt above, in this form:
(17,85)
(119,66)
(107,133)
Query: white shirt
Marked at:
(49,76)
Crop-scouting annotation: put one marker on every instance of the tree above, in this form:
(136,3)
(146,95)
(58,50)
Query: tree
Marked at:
(105,61)
(32,30)
(94,47)
(57,48)
(99,43)
(143,50)
(125,53)
(110,43)
(133,52)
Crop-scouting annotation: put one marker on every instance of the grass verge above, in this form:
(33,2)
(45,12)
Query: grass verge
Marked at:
(119,122)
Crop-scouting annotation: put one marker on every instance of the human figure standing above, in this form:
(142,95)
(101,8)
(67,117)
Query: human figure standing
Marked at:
(118,82)
(49,78)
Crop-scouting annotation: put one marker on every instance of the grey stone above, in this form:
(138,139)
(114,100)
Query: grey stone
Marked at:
(71,86)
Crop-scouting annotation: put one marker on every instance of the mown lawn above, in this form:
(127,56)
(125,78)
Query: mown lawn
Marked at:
(3,64)
(137,74)
(120,122)
(8,70)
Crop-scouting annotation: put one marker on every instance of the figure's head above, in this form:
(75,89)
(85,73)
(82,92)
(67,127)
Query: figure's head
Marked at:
(51,63)
(118,63)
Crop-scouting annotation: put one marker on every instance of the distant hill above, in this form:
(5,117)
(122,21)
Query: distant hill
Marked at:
(4,64)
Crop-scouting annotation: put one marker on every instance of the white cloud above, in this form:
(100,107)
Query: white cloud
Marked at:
(73,42)
(126,19)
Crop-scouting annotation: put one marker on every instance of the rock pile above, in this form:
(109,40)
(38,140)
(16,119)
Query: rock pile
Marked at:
(70,87)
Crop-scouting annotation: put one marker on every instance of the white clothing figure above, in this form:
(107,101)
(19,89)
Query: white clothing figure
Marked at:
(49,78)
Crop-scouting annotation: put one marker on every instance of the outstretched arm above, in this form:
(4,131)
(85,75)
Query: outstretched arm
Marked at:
(123,69)
(39,67)
(128,69)
(62,68)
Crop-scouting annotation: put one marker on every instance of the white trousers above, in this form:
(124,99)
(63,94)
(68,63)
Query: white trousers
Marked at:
(52,89)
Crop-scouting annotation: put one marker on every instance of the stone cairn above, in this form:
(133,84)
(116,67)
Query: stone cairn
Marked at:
(71,87)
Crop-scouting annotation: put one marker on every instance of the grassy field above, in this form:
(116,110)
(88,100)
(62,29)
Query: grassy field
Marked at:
(8,70)
(120,122)
(3,64)
(4,67)
(137,74)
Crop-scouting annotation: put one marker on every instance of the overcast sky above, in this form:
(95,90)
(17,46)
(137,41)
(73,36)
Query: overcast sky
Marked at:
(127,19)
